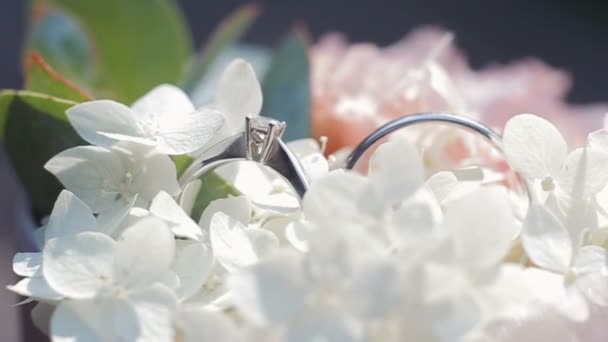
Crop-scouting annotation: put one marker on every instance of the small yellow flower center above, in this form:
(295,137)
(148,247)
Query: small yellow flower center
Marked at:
(548,184)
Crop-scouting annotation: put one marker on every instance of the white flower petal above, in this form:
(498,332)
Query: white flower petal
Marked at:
(598,139)
(374,288)
(591,260)
(193,265)
(239,94)
(78,266)
(546,240)
(92,173)
(481,237)
(188,196)
(251,179)
(417,217)
(144,252)
(230,242)
(299,233)
(69,216)
(585,173)
(198,324)
(91,118)
(154,306)
(335,198)
(396,171)
(310,156)
(270,292)
(35,287)
(165,100)
(187,133)
(447,185)
(124,320)
(156,171)
(81,321)
(110,221)
(591,270)
(238,208)
(533,146)
(26,264)
(127,138)
(165,207)
(264,242)
(314,165)
(442,184)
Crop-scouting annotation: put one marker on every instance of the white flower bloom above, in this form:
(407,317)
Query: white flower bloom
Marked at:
(236,245)
(552,247)
(164,118)
(70,216)
(537,150)
(117,178)
(344,197)
(112,288)
(526,297)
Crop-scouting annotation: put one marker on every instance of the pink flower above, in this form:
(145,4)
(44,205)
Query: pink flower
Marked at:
(358,87)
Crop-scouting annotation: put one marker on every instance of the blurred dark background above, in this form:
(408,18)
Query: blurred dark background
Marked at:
(571,35)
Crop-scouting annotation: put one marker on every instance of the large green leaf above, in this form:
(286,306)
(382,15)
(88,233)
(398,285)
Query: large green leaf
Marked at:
(41,77)
(286,86)
(34,128)
(138,44)
(229,32)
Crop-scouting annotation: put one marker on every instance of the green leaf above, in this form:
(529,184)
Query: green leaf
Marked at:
(62,41)
(181,163)
(34,128)
(230,31)
(213,187)
(286,86)
(41,77)
(138,44)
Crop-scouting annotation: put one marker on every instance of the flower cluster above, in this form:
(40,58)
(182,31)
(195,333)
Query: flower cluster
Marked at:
(392,255)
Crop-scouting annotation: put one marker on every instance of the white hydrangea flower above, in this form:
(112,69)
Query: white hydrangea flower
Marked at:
(112,289)
(164,118)
(551,246)
(69,216)
(236,245)
(124,175)
(537,150)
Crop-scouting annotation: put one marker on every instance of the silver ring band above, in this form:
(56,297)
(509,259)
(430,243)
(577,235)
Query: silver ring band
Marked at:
(417,118)
(494,138)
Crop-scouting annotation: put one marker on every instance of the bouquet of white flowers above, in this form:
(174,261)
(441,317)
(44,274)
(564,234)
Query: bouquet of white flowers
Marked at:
(430,243)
